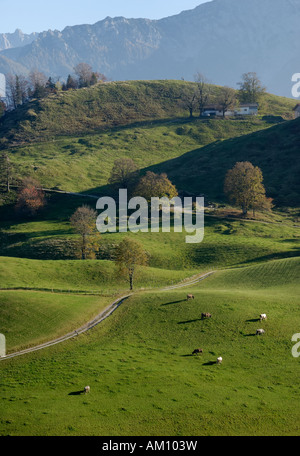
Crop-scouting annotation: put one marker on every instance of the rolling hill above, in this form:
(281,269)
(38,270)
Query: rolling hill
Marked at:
(70,140)
(110,105)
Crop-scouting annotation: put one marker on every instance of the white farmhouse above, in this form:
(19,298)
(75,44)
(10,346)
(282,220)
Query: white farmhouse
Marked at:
(249,109)
(214,110)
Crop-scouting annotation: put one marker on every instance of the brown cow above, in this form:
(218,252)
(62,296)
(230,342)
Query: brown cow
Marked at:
(206,315)
(197,350)
(190,296)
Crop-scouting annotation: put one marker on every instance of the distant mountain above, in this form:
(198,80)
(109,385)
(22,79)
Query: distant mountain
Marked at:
(222,39)
(16,39)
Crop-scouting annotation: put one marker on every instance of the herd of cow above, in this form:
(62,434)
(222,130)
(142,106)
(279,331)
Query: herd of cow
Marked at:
(198,351)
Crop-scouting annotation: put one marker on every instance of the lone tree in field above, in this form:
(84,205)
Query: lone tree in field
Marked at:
(130,254)
(31,197)
(123,173)
(155,185)
(251,88)
(244,187)
(84,222)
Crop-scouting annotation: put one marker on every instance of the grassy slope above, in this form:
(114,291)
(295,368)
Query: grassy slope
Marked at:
(226,242)
(153,386)
(30,318)
(84,163)
(274,150)
(92,276)
(108,105)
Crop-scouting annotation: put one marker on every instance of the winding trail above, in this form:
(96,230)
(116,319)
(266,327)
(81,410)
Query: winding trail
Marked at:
(100,317)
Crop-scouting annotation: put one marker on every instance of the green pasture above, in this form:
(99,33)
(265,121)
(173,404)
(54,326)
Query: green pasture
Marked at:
(144,379)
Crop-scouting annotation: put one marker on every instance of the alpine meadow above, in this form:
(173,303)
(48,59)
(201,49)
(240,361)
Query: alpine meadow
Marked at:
(139,332)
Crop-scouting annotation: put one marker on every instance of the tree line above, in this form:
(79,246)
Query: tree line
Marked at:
(20,89)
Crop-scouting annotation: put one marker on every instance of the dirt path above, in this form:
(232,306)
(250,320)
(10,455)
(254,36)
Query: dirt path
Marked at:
(99,318)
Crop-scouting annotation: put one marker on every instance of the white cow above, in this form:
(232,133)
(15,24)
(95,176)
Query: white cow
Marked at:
(219,360)
(87,389)
(263,317)
(259,332)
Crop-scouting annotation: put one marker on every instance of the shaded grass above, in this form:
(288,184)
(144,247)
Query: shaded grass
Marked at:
(30,318)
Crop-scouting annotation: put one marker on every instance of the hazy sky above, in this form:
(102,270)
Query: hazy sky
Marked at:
(39,15)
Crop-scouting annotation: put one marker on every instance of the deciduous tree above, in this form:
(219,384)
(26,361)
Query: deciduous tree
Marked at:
(251,88)
(130,254)
(189,101)
(227,99)
(204,92)
(16,89)
(31,197)
(155,185)
(123,173)
(84,222)
(244,186)
(38,82)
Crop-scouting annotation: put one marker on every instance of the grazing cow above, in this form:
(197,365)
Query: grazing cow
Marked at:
(190,296)
(219,360)
(263,317)
(259,332)
(197,350)
(206,315)
(87,389)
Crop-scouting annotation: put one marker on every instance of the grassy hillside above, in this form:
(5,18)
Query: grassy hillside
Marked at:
(32,317)
(154,386)
(226,242)
(70,140)
(84,163)
(108,105)
(274,150)
(90,276)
